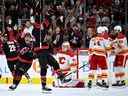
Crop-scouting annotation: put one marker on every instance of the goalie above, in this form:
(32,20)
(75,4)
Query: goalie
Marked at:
(68,65)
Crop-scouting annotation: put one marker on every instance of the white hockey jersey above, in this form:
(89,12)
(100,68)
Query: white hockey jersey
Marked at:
(98,46)
(119,45)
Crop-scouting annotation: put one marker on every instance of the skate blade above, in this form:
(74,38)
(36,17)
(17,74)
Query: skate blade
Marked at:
(119,87)
(11,89)
(46,92)
(89,87)
(102,87)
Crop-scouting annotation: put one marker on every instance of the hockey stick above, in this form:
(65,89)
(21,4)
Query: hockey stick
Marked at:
(58,82)
(76,70)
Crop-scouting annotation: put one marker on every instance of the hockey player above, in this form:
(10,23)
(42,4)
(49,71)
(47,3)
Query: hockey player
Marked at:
(97,59)
(119,45)
(68,64)
(44,52)
(11,50)
(65,54)
(25,58)
(66,48)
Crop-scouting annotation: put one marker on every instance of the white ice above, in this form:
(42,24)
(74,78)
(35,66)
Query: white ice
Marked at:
(35,90)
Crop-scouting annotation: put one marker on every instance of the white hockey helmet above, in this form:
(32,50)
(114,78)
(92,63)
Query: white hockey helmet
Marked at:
(117,28)
(100,29)
(106,29)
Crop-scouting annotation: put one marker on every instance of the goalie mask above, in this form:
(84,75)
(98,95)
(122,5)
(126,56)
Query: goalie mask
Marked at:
(65,46)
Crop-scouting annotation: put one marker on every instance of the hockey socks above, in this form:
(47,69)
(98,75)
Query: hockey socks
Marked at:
(43,82)
(91,78)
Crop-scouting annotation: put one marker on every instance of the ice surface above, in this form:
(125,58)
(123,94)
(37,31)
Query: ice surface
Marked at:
(35,90)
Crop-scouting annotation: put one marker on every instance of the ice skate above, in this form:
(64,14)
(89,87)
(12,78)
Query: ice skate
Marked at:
(122,83)
(46,90)
(102,84)
(99,84)
(12,87)
(119,84)
(116,84)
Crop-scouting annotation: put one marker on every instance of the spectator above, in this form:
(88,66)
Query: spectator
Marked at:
(75,37)
(28,28)
(58,37)
(89,34)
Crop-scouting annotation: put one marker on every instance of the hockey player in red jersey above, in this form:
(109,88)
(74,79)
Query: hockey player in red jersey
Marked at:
(25,58)
(120,50)
(11,50)
(97,59)
(44,50)
(10,47)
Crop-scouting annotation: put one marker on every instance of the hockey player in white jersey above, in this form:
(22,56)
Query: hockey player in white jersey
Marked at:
(97,59)
(64,57)
(120,50)
(67,59)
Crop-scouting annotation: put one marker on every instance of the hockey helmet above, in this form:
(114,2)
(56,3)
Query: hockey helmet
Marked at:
(100,29)
(117,29)
(106,29)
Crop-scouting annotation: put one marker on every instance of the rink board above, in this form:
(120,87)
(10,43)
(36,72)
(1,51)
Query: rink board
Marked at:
(34,71)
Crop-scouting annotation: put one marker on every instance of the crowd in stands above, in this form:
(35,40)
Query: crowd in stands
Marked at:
(66,20)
